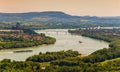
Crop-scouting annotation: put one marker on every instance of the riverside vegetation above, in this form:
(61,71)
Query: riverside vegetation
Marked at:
(23,38)
(103,60)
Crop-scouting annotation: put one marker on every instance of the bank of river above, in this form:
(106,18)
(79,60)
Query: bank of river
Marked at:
(65,41)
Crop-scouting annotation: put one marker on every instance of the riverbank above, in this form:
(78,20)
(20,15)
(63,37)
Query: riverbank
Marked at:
(110,35)
(72,61)
(63,42)
(23,38)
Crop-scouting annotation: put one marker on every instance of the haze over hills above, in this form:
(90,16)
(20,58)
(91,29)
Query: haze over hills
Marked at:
(56,18)
(49,16)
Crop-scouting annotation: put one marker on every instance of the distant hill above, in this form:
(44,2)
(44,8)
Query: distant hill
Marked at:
(56,19)
(49,16)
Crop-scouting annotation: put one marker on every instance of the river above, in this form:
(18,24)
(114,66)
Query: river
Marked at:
(65,41)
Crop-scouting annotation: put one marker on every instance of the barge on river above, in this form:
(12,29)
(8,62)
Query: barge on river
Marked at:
(20,51)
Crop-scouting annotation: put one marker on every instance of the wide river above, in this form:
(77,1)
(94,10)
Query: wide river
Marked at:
(65,41)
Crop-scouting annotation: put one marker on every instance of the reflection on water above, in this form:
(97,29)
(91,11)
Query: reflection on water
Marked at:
(65,41)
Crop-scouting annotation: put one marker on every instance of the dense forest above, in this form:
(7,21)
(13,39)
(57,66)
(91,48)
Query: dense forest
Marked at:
(71,63)
(7,65)
(51,56)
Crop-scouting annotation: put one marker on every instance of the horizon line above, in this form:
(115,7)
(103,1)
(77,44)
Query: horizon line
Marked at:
(59,11)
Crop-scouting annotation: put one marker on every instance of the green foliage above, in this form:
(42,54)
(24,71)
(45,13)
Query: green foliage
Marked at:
(50,56)
(69,69)
(49,40)
(29,31)
(6,60)
(27,39)
(106,66)
(16,66)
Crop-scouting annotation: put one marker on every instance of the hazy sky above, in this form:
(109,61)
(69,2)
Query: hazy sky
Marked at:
(73,7)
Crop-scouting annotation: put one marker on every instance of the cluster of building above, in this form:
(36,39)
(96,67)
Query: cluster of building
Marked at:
(93,28)
(17,32)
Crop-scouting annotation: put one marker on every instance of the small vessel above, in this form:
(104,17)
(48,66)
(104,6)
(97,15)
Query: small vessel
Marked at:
(80,41)
(22,51)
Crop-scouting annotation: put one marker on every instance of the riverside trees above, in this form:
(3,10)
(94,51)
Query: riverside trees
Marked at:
(23,38)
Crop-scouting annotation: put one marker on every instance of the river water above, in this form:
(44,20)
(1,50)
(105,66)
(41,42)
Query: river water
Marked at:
(65,41)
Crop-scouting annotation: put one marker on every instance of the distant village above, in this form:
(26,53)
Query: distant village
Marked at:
(17,32)
(107,31)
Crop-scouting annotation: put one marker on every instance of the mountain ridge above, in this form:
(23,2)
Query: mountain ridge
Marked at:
(59,18)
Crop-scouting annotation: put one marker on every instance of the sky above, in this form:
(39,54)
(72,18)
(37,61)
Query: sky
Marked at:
(73,7)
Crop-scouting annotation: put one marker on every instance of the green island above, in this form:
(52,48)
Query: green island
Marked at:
(103,60)
(21,38)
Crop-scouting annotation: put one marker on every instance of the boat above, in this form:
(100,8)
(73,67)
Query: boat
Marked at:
(22,51)
(80,41)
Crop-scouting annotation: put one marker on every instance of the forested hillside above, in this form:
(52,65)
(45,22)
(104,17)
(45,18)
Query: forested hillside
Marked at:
(55,19)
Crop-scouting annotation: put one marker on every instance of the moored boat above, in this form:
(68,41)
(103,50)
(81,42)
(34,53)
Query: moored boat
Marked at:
(22,51)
